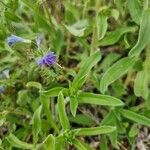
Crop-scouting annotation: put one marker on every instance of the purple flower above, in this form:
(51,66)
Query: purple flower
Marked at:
(11,40)
(1,89)
(47,60)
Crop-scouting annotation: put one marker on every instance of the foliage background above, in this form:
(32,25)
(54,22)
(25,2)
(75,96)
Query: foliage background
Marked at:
(97,94)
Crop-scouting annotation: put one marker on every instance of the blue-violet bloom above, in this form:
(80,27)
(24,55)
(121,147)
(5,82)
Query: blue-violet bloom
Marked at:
(11,40)
(1,89)
(47,60)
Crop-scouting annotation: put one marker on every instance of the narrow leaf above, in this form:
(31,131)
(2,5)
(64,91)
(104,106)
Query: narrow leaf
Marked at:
(94,130)
(53,92)
(40,20)
(45,102)
(75,31)
(114,36)
(116,71)
(29,4)
(34,84)
(144,34)
(15,142)
(82,119)
(11,16)
(103,143)
(99,99)
(135,117)
(86,66)
(36,123)
(102,25)
(133,131)
(73,105)
(135,10)
(78,145)
(141,84)
(62,112)
(109,60)
(49,143)
(111,119)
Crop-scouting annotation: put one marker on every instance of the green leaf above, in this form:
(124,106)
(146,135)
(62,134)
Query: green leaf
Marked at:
(2,120)
(75,32)
(114,36)
(40,20)
(22,97)
(144,34)
(108,60)
(34,84)
(141,84)
(114,13)
(103,143)
(135,117)
(93,130)
(78,28)
(73,105)
(36,121)
(11,16)
(58,41)
(54,91)
(45,102)
(62,112)
(133,131)
(99,99)
(81,119)
(116,71)
(78,145)
(86,66)
(120,6)
(102,25)
(135,10)
(29,4)
(49,143)
(59,145)
(111,119)
(15,142)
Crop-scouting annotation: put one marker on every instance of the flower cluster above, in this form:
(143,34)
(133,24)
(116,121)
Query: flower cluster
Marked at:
(47,60)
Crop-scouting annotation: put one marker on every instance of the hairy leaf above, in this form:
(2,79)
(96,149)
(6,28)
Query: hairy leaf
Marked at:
(144,34)
(15,142)
(62,112)
(99,99)
(116,71)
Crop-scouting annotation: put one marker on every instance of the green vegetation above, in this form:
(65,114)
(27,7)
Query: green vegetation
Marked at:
(74,74)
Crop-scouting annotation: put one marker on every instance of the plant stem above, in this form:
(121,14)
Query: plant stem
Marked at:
(95,36)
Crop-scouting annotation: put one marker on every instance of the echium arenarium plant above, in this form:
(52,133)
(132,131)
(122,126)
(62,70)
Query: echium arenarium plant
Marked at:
(74,74)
